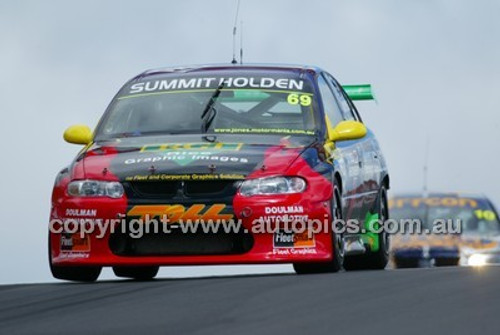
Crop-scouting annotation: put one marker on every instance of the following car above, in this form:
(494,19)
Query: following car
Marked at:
(468,234)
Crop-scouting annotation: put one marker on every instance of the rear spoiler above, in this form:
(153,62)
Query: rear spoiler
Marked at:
(359,92)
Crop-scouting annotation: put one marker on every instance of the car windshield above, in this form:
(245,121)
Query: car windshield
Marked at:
(475,215)
(246,102)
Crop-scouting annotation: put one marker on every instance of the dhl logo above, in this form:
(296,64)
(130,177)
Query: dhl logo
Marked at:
(191,147)
(480,244)
(176,213)
(398,241)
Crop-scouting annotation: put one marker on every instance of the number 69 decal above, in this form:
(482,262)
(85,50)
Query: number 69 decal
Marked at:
(295,99)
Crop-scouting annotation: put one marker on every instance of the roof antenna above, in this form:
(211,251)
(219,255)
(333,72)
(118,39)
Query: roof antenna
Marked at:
(426,168)
(234,61)
(241,42)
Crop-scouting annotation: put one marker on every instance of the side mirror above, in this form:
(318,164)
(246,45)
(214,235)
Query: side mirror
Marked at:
(347,130)
(78,134)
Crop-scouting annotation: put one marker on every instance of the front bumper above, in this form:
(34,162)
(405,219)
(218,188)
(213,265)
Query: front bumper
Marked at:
(96,248)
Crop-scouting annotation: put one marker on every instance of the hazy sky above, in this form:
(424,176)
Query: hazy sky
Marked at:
(435,67)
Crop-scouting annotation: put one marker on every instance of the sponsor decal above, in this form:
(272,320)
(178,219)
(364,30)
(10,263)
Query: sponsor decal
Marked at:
(183,158)
(291,251)
(411,241)
(487,215)
(175,177)
(185,153)
(81,212)
(74,243)
(408,242)
(71,255)
(284,210)
(433,202)
(191,147)
(277,214)
(287,218)
(286,239)
(176,84)
(264,131)
(176,213)
(480,243)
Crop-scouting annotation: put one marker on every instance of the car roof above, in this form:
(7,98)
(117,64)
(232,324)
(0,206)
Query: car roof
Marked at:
(228,66)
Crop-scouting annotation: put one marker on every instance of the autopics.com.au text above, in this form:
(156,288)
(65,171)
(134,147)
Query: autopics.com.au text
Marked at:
(137,227)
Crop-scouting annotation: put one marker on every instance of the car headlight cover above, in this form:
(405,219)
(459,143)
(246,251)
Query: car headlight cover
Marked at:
(273,185)
(478,260)
(95,188)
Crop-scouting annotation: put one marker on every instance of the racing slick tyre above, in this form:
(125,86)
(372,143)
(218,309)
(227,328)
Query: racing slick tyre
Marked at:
(74,273)
(337,241)
(374,260)
(136,272)
(446,261)
(406,263)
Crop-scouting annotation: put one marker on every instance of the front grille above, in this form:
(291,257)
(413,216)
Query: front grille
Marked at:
(177,243)
(203,188)
(154,189)
(188,189)
(186,194)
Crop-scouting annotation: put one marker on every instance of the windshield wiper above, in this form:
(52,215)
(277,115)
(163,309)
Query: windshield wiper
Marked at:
(206,116)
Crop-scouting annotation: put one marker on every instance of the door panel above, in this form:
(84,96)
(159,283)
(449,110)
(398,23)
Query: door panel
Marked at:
(348,155)
(371,182)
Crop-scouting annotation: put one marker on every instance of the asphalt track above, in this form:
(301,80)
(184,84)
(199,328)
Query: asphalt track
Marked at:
(414,301)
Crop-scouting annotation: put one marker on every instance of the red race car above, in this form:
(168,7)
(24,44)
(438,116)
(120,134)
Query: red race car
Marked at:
(228,164)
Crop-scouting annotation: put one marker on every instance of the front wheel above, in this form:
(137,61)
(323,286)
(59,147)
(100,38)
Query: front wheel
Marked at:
(446,261)
(136,272)
(406,263)
(76,273)
(337,244)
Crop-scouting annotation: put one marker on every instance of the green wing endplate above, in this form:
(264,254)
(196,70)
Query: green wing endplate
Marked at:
(359,92)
